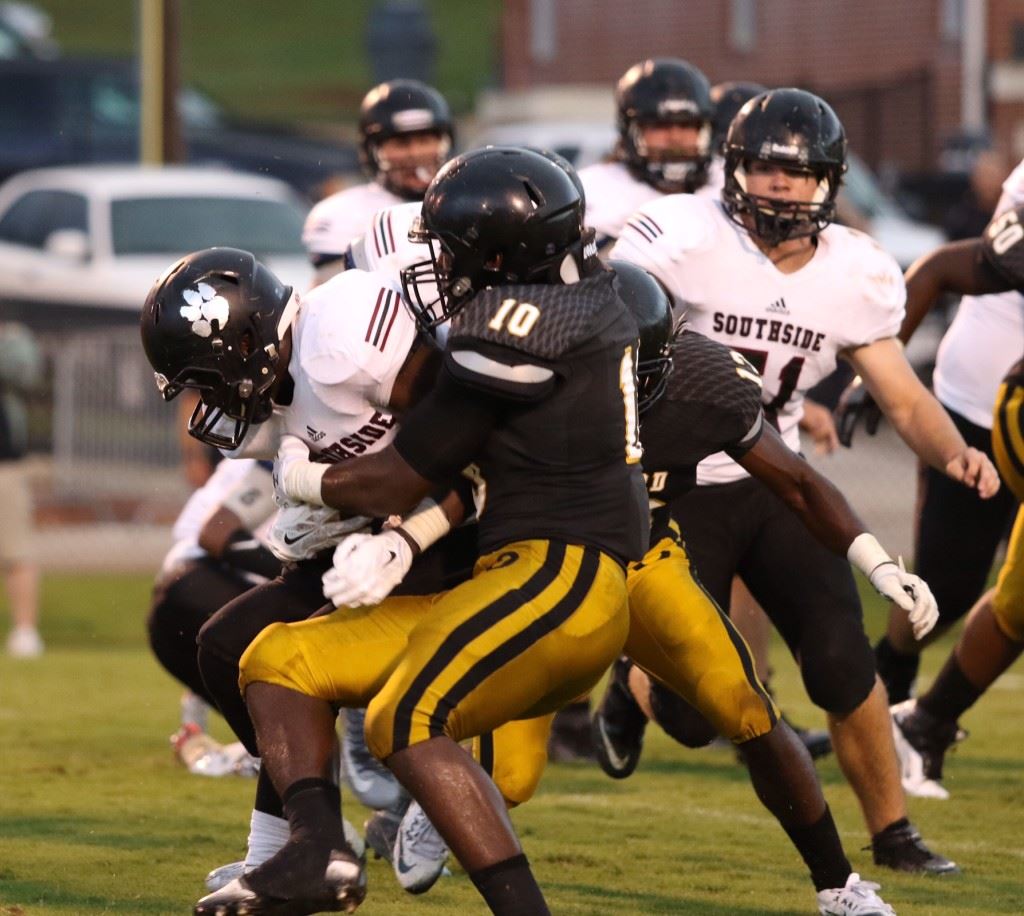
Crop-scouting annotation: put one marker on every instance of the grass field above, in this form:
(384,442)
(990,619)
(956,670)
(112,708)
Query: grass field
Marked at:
(96,818)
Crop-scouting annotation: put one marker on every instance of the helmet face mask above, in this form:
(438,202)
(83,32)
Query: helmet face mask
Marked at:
(401,109)
(491,217)
(651,308)
(798,132)
(214,323)
(661,92)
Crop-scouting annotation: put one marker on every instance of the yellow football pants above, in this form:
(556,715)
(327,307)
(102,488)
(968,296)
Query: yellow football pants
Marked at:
(535,627)
(679,636)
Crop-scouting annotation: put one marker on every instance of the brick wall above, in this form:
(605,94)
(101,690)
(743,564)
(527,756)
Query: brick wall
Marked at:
(892,78)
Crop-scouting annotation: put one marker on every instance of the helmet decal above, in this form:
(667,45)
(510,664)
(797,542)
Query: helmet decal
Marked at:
(204,307)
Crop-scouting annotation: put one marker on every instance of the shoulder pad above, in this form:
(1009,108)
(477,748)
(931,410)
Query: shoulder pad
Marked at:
(1003,245)
(335,221)
(706,370)
(537,320)
(879,280)
(676,222)
(387,246)
(1013,189)
(356,321)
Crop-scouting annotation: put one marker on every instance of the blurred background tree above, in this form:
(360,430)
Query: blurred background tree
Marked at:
(278,60)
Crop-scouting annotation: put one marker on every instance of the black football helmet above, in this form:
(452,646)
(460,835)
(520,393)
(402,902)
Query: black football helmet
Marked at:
(727,99)
(651,307)
(664,89)
(402,107)
(214,322)
(494,216)
(796,129)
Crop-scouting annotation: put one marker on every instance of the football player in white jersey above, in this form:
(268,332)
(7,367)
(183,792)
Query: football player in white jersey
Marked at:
(219,322)
(993,636)
(664,147)
(763,271)
(215,557)
(406,132)
(727,99)
(671,126)
(985,338)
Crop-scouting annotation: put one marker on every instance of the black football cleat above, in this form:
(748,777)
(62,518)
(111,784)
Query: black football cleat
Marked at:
(921,743)
(901,848)
(617,728)
(341,889)
(569,741)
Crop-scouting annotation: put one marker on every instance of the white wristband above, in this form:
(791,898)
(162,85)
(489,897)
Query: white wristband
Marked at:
(304,480)
(867,554)
(427,524)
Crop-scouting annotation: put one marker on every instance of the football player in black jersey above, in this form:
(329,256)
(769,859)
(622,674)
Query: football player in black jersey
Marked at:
(677,633)
(537,388)
(993,638)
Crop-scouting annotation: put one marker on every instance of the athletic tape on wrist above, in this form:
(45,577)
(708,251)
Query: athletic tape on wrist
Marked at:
(867,554)
(304,481)
(427,524)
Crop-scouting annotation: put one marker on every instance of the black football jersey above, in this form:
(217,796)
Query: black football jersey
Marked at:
(563,461)
(1003,245)
(712,404)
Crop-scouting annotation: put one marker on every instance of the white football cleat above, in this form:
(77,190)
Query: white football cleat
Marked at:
(420,854)
(920,758)
(372,783)
(855,898)
(24,642)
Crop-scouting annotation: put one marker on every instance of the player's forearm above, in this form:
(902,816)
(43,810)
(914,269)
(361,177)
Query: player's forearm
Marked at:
(958,267)
(926,427)
(819,504)
(925,283)
(375,485)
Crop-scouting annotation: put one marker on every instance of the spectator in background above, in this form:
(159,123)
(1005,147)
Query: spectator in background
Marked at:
(969,216)
(20,372)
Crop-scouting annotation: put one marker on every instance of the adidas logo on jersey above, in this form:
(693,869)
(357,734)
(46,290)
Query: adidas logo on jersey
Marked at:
(315,435)
(779,307)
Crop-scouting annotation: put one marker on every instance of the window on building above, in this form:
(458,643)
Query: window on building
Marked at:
(1017,40)
(743,25)
(951,19)
(543,30)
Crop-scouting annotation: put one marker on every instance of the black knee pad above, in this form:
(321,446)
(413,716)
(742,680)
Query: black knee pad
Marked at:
(679,719)
(839,675)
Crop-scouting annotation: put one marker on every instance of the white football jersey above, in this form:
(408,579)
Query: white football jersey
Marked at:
(985,338)
(613,195)
(383,243)
(226,479)
(790,326)
(350,339)
(336,220)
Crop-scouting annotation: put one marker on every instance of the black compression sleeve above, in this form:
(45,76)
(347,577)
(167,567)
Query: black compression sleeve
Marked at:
(245,553)
(447,429)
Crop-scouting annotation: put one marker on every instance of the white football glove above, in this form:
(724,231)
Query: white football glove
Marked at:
(366,568)
(910,592)
(296,478)
(300,531)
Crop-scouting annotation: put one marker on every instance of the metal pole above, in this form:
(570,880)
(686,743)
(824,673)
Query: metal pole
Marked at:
(972,63)
(160,137)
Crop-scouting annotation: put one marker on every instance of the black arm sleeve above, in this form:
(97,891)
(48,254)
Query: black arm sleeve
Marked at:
(446,430)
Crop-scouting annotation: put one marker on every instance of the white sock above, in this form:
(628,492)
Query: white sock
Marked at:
(194,709)
(267,834)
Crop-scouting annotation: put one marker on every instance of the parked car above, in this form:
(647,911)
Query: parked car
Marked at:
(81,245)
(81,110)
